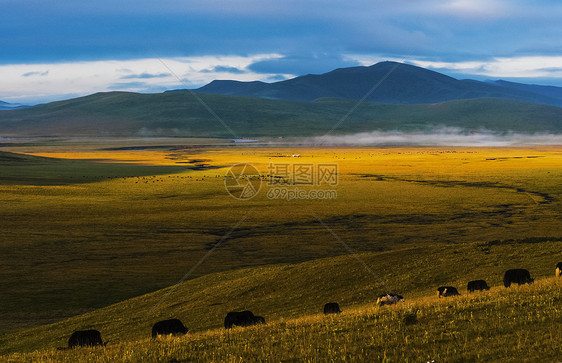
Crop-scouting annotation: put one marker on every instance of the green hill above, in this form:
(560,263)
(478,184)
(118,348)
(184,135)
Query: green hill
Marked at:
(180,114)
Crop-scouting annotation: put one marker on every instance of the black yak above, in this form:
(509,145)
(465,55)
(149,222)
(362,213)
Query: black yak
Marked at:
(558,270)
(517,276)
(167,327)
(477,285)
(85,338)
(445,291)
(332,308)
(239,318)
(389,299)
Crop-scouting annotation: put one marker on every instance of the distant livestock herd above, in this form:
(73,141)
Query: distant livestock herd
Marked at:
(90,338)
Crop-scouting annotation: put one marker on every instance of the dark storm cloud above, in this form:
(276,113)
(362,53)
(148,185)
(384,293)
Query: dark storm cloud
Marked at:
(447,30)
(302,64)
(224,69)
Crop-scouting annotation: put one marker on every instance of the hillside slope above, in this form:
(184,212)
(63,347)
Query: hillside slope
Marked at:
(548,91)
(401,84)
(180,114)
(507,325)
(291,291)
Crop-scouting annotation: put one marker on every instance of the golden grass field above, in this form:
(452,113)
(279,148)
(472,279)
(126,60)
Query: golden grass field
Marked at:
(419,216)
(505,325)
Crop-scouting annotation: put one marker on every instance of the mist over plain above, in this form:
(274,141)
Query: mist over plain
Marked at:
(437,136)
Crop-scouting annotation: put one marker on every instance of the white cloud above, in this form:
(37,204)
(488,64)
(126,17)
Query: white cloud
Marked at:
(475,9)
(515,67)
(63,80)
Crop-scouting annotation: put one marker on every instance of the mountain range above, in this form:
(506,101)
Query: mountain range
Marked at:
(396,83)
(397,97)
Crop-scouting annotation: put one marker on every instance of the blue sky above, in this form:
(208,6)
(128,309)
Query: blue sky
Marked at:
(58,49)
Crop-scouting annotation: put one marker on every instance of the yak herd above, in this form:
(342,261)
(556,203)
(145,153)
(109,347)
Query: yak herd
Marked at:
(89,338)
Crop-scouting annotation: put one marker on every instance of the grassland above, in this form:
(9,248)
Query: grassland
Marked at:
(295,290)
(419,217)
(507,325)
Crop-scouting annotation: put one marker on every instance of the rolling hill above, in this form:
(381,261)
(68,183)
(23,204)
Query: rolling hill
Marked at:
(487,326)
(180,114)
(548,91)
(290,296)
(402,84)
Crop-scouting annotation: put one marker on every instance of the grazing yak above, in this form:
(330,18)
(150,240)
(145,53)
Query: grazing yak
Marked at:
(85,338)
(558,271)
(332,308)
(167,327)
(389,299)
(444,291)
(517,276)
(242,318)
(477,285)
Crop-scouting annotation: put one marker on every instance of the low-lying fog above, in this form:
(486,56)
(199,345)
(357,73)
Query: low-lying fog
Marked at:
(439,136)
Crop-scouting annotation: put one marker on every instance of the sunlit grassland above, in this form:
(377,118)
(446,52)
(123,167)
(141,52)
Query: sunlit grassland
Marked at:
(516,324)
(88,245)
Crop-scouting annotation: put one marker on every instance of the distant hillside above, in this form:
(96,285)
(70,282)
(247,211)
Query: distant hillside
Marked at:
(254,88)
(405,84)
(11,106)
(548,91)
(180,114)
